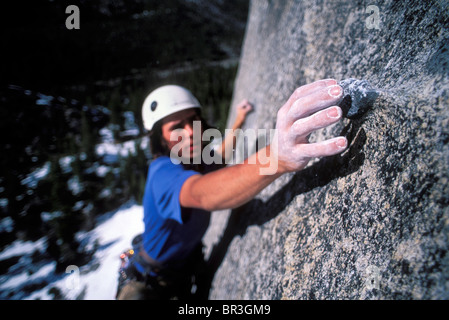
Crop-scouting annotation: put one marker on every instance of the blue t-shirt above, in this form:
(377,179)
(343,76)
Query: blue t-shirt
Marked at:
(171,232)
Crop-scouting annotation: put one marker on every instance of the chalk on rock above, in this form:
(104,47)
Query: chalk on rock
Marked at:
(358,97)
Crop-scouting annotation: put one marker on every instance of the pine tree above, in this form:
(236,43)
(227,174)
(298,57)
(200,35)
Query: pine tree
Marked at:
(64,223)
(87,138)
(116,117)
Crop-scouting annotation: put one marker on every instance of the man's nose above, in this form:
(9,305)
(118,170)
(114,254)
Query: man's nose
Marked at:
(189,129)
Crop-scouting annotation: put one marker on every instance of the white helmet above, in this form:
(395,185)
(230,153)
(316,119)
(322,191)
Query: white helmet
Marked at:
(165,101)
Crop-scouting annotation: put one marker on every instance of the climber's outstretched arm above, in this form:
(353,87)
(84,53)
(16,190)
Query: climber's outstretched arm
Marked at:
(229,142)
(309,108)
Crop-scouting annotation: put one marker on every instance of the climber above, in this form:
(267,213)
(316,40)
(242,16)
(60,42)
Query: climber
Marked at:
(179,197)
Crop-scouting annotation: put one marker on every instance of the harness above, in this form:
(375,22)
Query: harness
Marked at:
(160,280)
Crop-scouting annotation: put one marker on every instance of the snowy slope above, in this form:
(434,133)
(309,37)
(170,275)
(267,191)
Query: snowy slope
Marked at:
(95,281)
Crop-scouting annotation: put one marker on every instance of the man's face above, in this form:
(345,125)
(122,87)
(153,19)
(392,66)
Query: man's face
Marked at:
(183,120)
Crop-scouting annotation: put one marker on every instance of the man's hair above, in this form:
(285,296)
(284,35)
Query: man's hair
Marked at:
(158,146)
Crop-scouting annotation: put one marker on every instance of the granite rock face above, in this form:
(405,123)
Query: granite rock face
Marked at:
(373,222)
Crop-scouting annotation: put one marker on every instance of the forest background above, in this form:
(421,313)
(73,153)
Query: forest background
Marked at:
(72,142)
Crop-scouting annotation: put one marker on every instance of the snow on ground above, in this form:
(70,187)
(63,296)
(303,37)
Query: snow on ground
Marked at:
(114,236)
(20,247)
(96,280)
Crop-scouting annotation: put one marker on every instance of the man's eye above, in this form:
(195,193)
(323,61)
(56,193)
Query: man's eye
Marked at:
(176,126)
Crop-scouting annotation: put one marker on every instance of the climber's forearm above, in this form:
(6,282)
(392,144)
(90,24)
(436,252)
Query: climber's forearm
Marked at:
(309,108)
(229,187)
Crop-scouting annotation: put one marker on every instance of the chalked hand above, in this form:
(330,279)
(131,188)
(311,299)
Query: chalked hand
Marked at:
(244,107)
(310,107)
